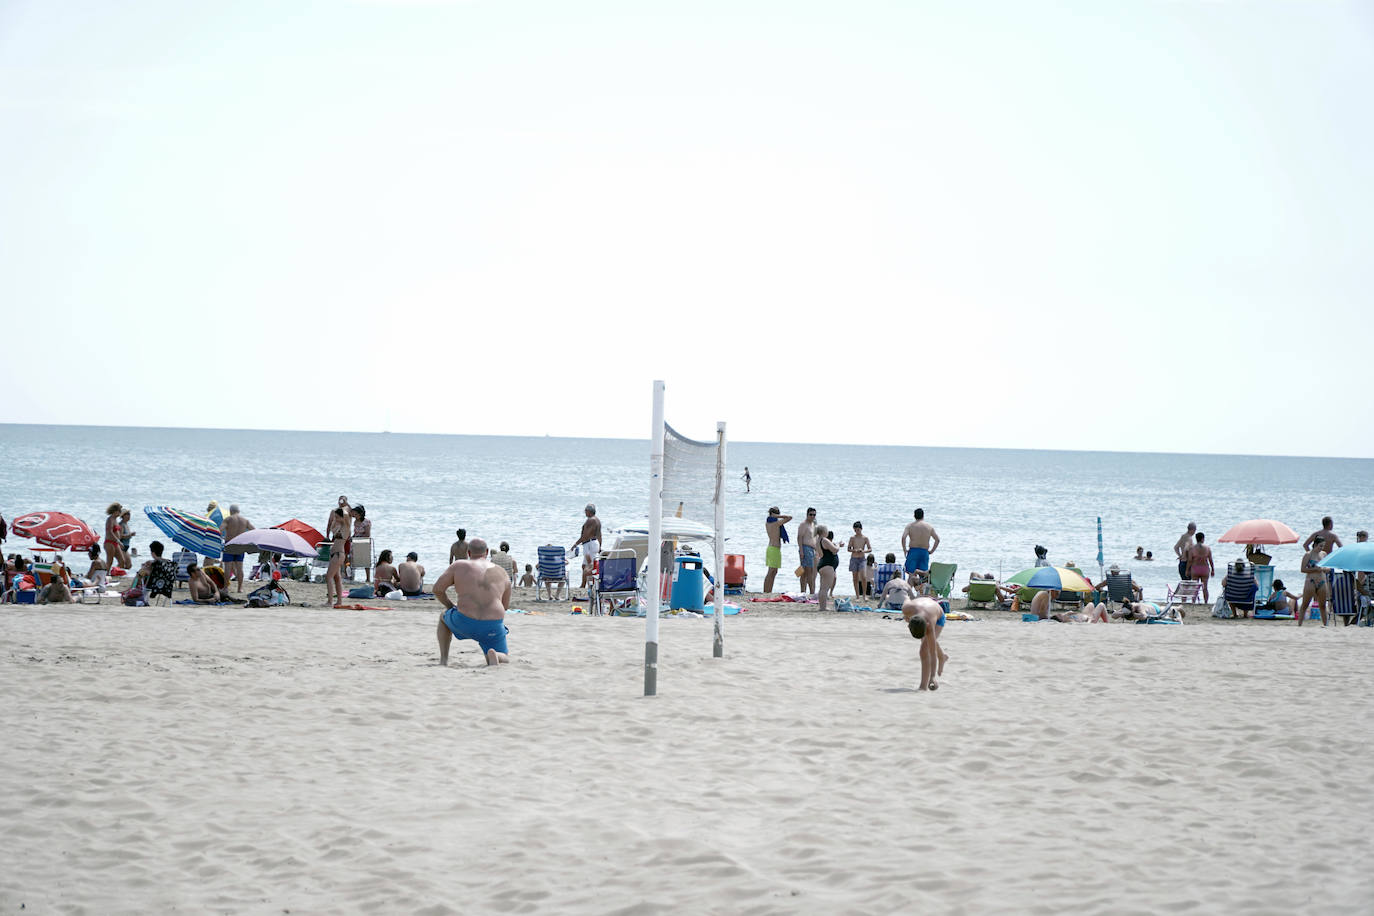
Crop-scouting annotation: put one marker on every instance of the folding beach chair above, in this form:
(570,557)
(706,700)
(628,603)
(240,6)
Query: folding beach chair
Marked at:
(1187,591)
(1121,587)
(982,592)
(1345,598)
(552,570)
(1264,584)
(618,578)
(359,557)
(941,578)
(320,560)
(1240,591)
(183,559)
(1069,601)
(734,574)
(883,573)
(162,578)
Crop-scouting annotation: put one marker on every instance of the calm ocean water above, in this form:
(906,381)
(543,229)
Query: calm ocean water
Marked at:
(990,506)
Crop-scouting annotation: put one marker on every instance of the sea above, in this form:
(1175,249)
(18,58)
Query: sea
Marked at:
(990,507)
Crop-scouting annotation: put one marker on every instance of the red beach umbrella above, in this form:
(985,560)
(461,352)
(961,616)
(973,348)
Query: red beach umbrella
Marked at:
(56,529)
(1260,531)
(296,526)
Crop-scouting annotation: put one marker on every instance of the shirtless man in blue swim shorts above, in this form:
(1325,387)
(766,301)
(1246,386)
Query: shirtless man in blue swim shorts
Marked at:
(925,619)
(483,591)
(919,540)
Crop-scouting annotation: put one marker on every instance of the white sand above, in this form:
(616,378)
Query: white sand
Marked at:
(313,760)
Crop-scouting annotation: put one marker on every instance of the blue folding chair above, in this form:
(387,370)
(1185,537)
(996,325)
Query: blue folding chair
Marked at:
(1345,598)
(553,571)
(618,578)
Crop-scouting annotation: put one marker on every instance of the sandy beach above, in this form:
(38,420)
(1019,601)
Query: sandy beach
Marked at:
(314,760)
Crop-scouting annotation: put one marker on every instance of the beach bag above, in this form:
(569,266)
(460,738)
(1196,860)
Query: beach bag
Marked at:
(132,597)
(270,595)
(362,591)
(1221,609)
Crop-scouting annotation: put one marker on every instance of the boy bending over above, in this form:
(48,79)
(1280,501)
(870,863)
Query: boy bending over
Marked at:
(926,620)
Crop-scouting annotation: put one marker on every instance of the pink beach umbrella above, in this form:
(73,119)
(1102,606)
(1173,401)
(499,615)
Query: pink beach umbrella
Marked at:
(1260,531)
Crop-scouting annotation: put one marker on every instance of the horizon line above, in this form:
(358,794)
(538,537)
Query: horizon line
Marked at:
(373,432)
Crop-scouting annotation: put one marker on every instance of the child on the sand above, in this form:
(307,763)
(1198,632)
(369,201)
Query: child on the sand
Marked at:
(527,580)
(925,619)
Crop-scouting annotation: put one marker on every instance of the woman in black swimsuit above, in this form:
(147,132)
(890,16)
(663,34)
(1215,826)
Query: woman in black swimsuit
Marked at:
(826,566)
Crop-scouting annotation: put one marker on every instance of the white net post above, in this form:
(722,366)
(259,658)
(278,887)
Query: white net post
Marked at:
(655,543)
(718,643)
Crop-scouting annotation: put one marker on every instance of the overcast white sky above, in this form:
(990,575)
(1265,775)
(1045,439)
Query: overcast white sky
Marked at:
(1074,225)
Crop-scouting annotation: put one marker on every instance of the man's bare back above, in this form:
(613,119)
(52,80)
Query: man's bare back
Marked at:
(919,534)
(482,588)
(234,525)
(410,576)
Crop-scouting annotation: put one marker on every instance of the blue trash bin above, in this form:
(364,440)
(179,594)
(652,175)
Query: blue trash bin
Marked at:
(689,585)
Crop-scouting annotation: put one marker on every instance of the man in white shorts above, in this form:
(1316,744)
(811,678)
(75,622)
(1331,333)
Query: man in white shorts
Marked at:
(589,542)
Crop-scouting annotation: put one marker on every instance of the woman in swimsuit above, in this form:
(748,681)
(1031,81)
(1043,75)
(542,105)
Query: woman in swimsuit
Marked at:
(113,551)
(336,532)
(1200,564)
(362,528)
(826,566)
(1314,585)
(126,536)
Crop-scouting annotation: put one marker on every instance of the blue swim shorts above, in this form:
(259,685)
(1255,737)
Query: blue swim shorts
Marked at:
(489,634)
(233,558)
(808,556)
(918,558)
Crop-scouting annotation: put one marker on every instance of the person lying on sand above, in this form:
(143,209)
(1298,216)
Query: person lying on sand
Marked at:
(925,619)
(203,589)
(483,592)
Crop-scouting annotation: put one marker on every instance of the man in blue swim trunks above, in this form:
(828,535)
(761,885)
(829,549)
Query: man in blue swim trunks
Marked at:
(483,591)
(919,540)
(925,619)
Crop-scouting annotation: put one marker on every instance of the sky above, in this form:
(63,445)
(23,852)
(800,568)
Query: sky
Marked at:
(1083,225)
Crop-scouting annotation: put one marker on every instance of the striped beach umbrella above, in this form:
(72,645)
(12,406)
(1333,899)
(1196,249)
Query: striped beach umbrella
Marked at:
(194,532)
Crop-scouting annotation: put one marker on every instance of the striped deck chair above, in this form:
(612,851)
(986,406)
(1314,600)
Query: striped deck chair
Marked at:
(1240,591)
(883,573)
(1345,598)
(183,559)
(552,571)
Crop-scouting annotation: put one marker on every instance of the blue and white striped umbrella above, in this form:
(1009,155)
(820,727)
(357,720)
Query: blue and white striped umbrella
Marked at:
(194,532)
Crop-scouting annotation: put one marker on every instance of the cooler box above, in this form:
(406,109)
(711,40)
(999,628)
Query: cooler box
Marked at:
(689,585)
